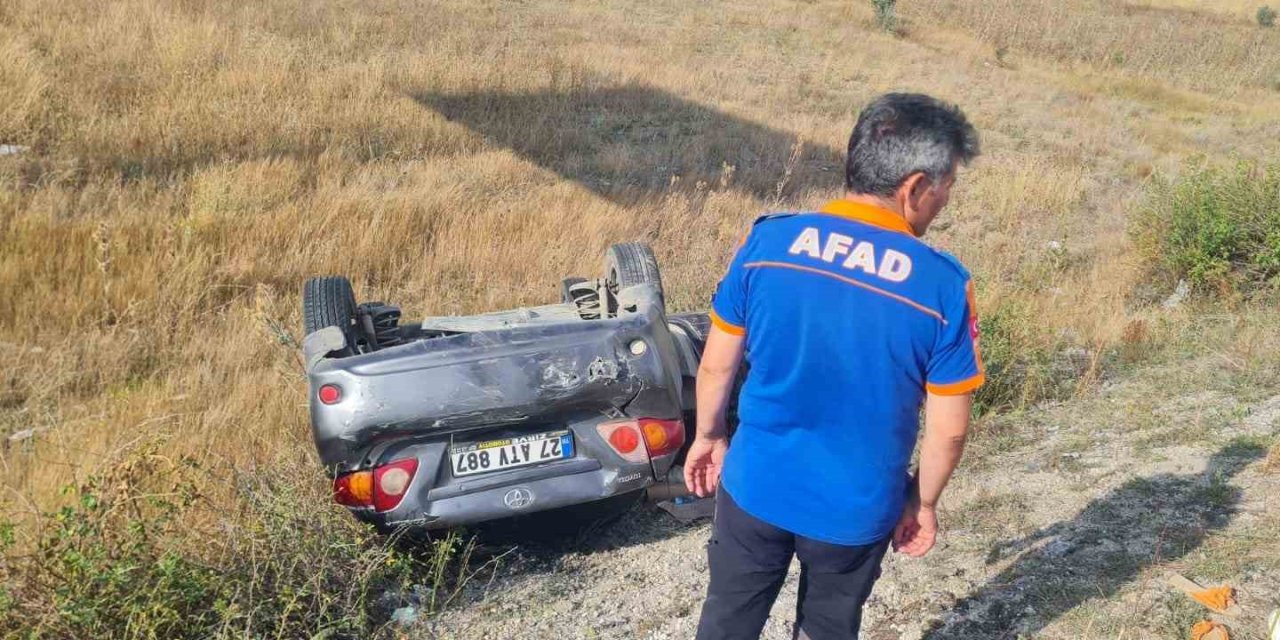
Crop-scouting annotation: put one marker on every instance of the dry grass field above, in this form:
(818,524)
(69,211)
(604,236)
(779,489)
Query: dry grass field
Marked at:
(191,162)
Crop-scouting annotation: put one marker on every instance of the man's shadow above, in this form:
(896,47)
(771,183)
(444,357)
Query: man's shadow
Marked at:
(634,142)
(1144,522)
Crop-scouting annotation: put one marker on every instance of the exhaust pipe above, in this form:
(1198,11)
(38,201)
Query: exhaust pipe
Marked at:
(669,487)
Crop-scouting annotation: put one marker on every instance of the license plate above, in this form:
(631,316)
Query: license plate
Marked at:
(495,455)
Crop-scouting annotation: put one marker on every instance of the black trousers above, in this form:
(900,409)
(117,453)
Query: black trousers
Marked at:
(748,560)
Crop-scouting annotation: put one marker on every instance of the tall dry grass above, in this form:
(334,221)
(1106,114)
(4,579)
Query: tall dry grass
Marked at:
(192,162)
(1205,50)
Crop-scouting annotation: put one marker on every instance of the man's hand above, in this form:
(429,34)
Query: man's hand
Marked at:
(917,530)
(946,421)
(703,464)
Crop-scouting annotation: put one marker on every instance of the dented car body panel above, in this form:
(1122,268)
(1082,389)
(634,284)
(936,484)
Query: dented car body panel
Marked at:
(503,376)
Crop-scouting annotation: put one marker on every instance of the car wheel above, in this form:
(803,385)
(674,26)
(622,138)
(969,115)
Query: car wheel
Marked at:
(631,263)
(329,302)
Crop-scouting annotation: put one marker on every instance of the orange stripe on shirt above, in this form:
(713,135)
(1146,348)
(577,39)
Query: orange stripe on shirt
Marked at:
(956,388)
(726,326)
(888,294)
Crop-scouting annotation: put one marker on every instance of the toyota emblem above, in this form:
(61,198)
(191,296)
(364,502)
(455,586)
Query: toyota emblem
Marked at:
(518,498)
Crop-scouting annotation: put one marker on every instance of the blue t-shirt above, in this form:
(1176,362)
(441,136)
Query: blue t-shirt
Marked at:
(849,320)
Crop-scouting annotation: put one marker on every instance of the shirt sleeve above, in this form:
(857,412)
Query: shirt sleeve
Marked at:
(729,302)
(955,367)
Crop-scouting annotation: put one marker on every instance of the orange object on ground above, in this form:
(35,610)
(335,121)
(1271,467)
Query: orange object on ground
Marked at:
(1208,630)
(1216,598)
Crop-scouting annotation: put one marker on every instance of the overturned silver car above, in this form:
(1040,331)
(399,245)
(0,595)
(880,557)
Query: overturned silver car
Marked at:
(462,420)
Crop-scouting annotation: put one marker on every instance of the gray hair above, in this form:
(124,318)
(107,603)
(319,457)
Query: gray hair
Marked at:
(900,134)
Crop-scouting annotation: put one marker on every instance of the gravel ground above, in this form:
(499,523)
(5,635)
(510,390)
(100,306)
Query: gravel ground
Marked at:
(1059,525)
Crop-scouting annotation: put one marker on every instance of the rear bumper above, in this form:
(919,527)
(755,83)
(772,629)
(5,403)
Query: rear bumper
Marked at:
(581,485)
(436,501)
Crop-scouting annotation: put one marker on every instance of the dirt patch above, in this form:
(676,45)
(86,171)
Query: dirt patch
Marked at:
(1034,546)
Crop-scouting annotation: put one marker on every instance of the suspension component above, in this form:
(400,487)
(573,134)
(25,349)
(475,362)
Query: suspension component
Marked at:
(380,326)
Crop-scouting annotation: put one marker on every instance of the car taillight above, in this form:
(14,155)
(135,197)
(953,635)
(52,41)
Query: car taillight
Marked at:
(354,489)
(624,437)
(391,481)
(330,393)
(662,437)
(382,487)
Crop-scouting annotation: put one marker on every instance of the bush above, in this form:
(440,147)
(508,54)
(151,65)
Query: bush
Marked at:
(1023,365)
(1216,228)
(129,558)
(886,16)
(1266,16)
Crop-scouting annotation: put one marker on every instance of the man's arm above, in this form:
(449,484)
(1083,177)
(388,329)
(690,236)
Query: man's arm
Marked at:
(717,369)
(946,425)
(721,358)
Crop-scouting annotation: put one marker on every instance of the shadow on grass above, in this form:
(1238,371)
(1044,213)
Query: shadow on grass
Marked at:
(633,142)
(1145,522)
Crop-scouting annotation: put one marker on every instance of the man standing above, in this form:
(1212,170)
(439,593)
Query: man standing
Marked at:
(849,323)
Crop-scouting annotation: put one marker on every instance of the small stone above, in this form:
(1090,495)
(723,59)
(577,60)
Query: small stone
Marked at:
(1058,548)
(1179,295)
(405,616)
(1109,546)
(19,436)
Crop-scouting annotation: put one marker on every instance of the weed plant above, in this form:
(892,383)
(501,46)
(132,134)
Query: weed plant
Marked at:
(1266,16)
(129,557)
(1218,228)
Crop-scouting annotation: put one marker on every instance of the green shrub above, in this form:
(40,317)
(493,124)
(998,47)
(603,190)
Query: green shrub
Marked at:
(134,556)
(1001,334)
(1266,16)
(886,15)
(1216,228)
(100,569)
(1023,364)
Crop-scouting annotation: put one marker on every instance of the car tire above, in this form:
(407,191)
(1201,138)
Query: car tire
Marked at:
(329,302)
(630,263)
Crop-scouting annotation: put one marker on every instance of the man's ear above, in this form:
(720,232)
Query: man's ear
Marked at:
(910,191)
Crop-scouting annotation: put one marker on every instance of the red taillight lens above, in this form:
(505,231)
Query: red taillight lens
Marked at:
(354,489)
(329,393)
(662,437)
(624,437)
(391,481)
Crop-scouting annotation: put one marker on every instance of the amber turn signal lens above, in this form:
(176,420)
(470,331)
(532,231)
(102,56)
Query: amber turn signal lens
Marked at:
(655,437)
(354,489)
(662,437)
